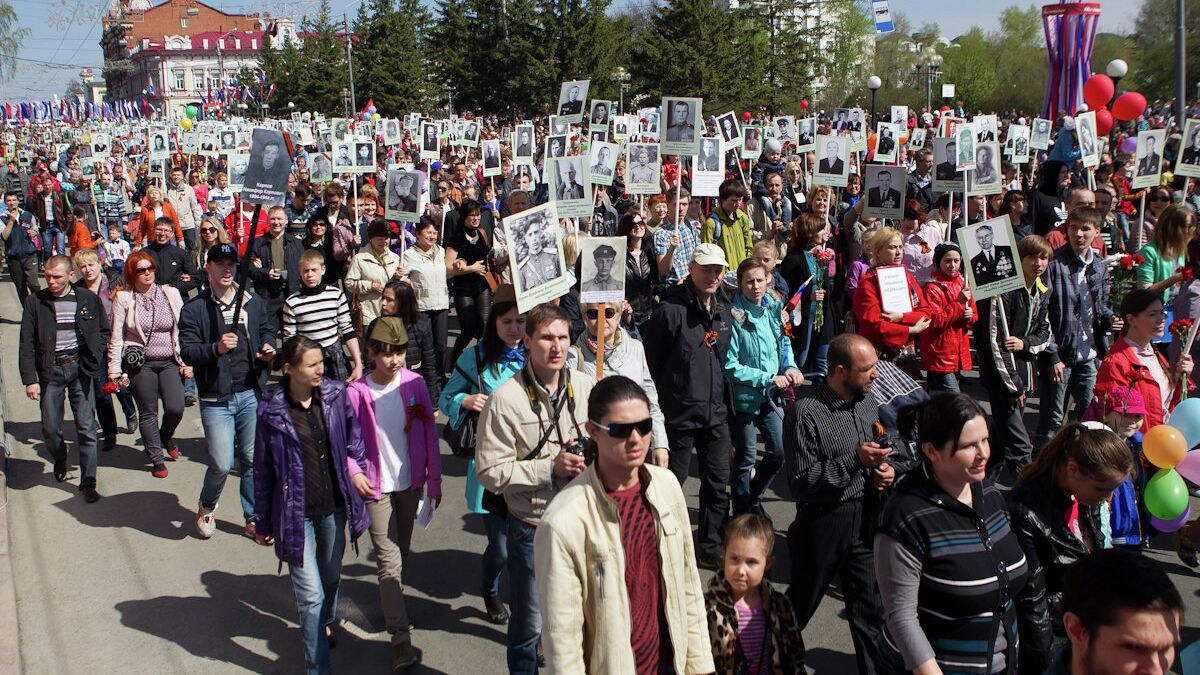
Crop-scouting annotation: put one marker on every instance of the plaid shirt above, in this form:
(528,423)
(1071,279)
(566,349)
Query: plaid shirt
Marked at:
(689,239)
(1065,308)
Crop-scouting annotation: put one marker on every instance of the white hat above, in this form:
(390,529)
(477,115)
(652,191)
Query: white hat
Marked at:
(709,254)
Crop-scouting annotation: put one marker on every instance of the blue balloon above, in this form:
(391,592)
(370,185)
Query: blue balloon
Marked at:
(1186,418)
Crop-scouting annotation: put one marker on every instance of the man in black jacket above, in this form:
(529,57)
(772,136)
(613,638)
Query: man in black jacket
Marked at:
(63,335)
(174,267)
(231,373)
(275,267)
(686,340)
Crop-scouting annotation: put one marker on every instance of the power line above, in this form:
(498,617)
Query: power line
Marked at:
(44,63)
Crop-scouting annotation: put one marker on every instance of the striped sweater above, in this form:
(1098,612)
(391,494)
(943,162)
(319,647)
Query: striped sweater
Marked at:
(321,313)
(950,576)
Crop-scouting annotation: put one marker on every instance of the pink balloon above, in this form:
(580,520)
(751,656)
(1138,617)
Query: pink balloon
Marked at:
(1129,145)
(1189,468)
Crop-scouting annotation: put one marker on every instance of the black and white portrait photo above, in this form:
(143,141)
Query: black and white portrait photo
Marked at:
(598,136)
(491,157)
(208,145)
(1148,166)
(985,178)
(985,128)
(709,158)
(599,115)
(841,120)
(602,270)
(1085,133)
(570,101)
(684,125)
(885,191)
(602,162)
(239,164)
(158,145)
(1039,137)
(523,144)
(266,175)
(343,157)
(916,139)
(965,159)
(568,180)
(785,127)
(833,161)
(946,175)
(752,141)
(535,244)
(470,134)
(556,146)
(643,169)
(320,168)
(887,142)
(899,115)
(229,138)
(364,155)
(991,259)
(730,130)
(647,120)
(404,198)
(100,144)
(1187,163)
(1018,140)
(391,132)
(806,134)
(429,141)
(621,126)
(341,129)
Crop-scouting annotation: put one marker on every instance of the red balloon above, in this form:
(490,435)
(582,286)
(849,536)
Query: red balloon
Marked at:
(1129,106)
(804,104)
(746,116)
(1104,121)
(1098,91)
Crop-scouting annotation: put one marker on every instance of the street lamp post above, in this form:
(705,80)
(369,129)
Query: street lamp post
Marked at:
(873,83)
(929,68)
(346,101)
(622,77)
(1116,69)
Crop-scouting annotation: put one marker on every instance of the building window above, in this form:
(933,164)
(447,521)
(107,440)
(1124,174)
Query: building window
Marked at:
(198,79)
(183,22)
(253,45)
(179,83)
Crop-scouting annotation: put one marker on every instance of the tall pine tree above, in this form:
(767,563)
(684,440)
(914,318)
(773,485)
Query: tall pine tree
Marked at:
(325,71)
(389,65)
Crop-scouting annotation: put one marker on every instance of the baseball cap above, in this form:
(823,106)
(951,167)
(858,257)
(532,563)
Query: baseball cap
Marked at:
(223,253)
(709,254)
(388,330)
(436,166)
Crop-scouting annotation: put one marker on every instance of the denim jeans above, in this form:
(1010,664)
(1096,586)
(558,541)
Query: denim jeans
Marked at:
(935,382)
(66,382)
(495,556)
(1077,380)
(229,431)
(316,583)
(106,412)
(525,622)
(54,241)
(747,492)
(191,239)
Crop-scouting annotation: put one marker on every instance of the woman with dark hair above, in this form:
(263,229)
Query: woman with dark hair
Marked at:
(400,300)
(497,356)
(318,236)
(803,262)
(945,349)
(309,481)
(642,267)
(1056,511)
(1165,252)
(851,194)
(425,263)
(1045,201)
(1016,207)
(143,354)
(1134,362)
(467,251)
(945,553)
(919,239)
(372,269)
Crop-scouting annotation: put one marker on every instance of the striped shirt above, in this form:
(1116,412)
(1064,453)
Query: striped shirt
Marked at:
(752,638)
(66,339)
(821,435)
(649,637)
(320,313)
(110,204)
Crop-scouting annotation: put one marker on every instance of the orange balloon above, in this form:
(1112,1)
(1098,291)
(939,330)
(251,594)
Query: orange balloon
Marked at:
(1164,446)
(871,140)
(903,138)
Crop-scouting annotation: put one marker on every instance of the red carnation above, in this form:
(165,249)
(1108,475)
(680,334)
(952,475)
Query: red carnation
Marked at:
(110,387)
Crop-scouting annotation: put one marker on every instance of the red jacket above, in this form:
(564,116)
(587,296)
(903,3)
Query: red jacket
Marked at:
(944,345)
(886,335)
(237,226)
(1122,366)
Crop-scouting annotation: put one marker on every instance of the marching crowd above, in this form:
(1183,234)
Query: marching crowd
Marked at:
(752,335)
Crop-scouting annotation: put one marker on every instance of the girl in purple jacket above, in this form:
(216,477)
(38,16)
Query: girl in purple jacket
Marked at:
(402,461)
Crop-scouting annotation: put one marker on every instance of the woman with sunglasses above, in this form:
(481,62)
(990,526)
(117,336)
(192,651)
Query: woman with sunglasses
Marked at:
(143,353)
(623,355)
(212,233)
(497,356)
(643,269)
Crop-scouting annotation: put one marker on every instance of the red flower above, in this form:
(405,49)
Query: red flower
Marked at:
(1180,327)
(413,412)
(110,387)
(1185,273)
(1127,262)
(1138,260)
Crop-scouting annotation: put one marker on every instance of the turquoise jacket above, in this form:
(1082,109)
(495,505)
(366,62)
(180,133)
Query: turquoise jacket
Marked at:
(464,380)
(758,351)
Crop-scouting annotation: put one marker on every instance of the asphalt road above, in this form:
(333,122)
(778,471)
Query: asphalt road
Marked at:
(125,586)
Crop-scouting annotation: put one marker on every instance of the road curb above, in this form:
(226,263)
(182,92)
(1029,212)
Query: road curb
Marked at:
(10,652)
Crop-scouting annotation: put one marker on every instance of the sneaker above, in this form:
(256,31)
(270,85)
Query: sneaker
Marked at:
(189,401)
(405,656)
(109,443)
(206,521)
(159,470)
(173,453)
(131,423)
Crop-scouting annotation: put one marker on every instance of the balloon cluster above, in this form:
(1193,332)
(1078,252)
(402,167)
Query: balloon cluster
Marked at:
(370,114)
(1099,90)
(189,118)
(1166,447)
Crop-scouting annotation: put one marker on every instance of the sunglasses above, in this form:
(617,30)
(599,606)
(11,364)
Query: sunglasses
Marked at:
(143,270)
(208,229)
(625,429)
(593,314)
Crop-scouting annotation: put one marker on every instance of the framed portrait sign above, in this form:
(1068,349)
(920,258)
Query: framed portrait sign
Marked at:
(948,125)
(985,128)
(602,273)
(405,200)
(602,162)
(985,178)
(643,169)
(556,146)
(916,139)
(238,163)
(1018,142)
(320,167)
(101,145)
(806,134)
(785,129)
(535,246)
(270,163)
(752,141)
(600,115)
(1147,168)
(569,187)
(990,257)
(946,176)
(965,158)
(730,129)
(1039,137)
(392,133)
(1188,161)
(887,142)
(571,97)
(431,147)
(559,125)
(833,161)
(1085,133)
(685,125)
(523,144)
(899,115)
(708,168)
(470,134)
(159,149)
(625,127)
(885,188)
(490,152)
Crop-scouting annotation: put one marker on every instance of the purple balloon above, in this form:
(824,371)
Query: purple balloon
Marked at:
(1172,524)
(1129,145)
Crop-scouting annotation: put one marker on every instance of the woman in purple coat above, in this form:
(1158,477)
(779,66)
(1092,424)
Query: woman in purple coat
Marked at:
(304,492)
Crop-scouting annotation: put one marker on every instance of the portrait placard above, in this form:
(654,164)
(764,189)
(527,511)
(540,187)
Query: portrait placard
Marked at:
(209,145)
(948,125)
(599,115)
(646,124)
(405,200)
(1188,162)
(556,146)
(752,141)
(391,132)
(946,176)
(730,129)
(343,156)
(806,134)
(1018,141)
(602,272)
(100,145)
(558,125)
(887,142)
(190,143)
(916,139)
(490,152)
(535,244)
(522,144)
(624,127)
(884,192)
(238,163)
(320,168)
(602,162)
(266,178)
(965,158)
(990,257)
(785,129)
(985,128)
(228,138)
(899,115)
(708,168)
(985,178)
(569,187)
(833,161)
(570,101)
(470,134)
(1147,168)
(643,169)
(894,295)
(1085,134)
(1039,137)
(158,145)
(430,143)
(685,125)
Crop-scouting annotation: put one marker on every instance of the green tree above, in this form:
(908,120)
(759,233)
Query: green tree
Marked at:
(1154,33)
(11,39)
(970,67)
(389,64)
(1018,51)
(324,72)
(582,42)
(843,65)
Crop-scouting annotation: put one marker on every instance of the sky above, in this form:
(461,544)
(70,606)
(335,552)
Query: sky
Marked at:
(64,34)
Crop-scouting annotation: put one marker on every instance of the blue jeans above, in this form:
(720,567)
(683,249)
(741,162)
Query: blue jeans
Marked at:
(229,431)
(747,492)
(67,383)
(316,583)
(495,556)
(1077,380)
(54,241)
(525,622)
(935,382)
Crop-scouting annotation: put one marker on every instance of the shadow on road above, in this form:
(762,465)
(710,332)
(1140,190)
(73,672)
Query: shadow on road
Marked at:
(155,513)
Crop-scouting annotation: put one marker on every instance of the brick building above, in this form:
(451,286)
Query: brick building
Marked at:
(180,49)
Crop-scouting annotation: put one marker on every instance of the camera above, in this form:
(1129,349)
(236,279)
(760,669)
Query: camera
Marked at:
(582,447)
